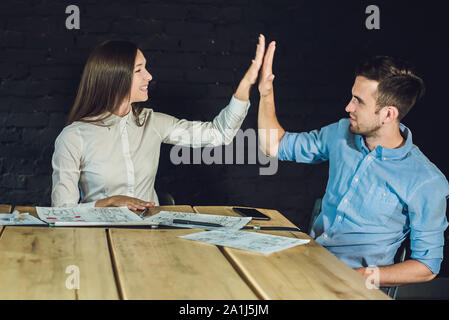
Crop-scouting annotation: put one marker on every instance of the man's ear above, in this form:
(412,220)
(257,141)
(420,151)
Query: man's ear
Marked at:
(391,114)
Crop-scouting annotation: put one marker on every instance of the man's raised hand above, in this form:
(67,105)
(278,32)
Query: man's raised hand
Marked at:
(266,74)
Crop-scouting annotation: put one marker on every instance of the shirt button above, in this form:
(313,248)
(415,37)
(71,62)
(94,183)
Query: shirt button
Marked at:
(384,158)
(345,201)
(369,157)
(384,194)
(325,236)
(356,179)
(339,218)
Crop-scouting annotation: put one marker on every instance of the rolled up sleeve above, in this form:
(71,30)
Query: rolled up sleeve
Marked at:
(427,213)
(305,147)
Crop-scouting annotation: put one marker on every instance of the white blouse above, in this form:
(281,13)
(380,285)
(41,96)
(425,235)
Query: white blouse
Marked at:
(93,161)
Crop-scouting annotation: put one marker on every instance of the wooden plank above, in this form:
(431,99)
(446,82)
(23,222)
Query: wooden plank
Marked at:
(302,272)
(34,261)
(156,264)
(276,218)
(5,208)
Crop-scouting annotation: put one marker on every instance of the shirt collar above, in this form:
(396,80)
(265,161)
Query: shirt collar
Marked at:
(385,153)
(111,119)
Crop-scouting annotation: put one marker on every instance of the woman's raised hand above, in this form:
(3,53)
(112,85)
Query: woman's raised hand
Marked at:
(253,71)
(250,77)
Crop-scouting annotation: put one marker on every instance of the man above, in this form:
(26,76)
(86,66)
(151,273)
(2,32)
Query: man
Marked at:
(381,188)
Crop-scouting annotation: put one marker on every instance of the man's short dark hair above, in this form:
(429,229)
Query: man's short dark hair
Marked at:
(399,86)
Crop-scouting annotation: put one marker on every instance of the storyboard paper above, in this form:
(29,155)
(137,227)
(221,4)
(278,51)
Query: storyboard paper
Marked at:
(252,241)
(227,223)
(65,216)
(8,219)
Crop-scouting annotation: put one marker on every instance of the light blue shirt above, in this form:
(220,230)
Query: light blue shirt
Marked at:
(374,199)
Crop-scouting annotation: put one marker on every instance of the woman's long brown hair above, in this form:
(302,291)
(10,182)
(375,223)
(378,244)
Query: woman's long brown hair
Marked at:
(105,82)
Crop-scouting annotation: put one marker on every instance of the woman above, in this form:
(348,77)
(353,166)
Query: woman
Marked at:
(108,153)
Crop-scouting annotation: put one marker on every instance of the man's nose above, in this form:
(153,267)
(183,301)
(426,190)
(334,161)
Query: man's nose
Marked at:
(349,108)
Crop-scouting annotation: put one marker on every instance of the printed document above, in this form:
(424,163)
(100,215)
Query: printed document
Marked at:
(199,220)
(76,216)
(253,241)
(17,219)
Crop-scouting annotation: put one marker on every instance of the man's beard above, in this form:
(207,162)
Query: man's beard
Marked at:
(367,132)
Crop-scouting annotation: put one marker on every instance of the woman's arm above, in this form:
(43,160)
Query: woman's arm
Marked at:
(133,204)
(66,172)
(250,77)
(223,128)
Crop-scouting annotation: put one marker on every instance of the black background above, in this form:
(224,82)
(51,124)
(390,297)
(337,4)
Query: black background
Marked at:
(198,50)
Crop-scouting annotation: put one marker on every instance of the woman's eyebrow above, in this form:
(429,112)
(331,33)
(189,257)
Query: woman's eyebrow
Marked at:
(140,64)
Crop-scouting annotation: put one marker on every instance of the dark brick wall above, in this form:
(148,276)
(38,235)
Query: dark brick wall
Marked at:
(198,50)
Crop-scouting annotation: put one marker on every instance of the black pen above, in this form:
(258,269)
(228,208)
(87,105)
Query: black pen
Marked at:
(144,213)
(198,223)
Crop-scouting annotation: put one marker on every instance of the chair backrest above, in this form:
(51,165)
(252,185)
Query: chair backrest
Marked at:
(444,270)
(5,208)
(315,213)
(165,199)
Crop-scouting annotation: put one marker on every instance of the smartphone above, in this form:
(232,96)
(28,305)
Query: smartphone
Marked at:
(253,213)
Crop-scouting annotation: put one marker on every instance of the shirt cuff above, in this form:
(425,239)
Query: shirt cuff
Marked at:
(87,204)
(238,106)
(283,148)
(434,265)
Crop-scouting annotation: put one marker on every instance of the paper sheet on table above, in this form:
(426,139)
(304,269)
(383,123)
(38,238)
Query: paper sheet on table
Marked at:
(253,241)
(76,216)
(228,223)
(22,219)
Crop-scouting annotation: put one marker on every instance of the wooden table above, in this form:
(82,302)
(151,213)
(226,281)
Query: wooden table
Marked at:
(119,263)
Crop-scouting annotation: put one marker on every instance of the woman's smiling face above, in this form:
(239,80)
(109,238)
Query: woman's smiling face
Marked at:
(141,79)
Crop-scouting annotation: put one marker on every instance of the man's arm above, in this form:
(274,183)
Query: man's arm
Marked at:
(427,213)
(407,272)
(270,131)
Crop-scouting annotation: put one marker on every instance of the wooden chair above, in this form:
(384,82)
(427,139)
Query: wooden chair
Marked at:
(444,270)
(402,253)
(166,199)
(5,208)
(315,212)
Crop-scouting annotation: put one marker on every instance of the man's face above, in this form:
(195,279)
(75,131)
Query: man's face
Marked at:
(362,108)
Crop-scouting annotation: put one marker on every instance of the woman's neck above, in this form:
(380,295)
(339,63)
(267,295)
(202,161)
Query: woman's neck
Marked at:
(123,110)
